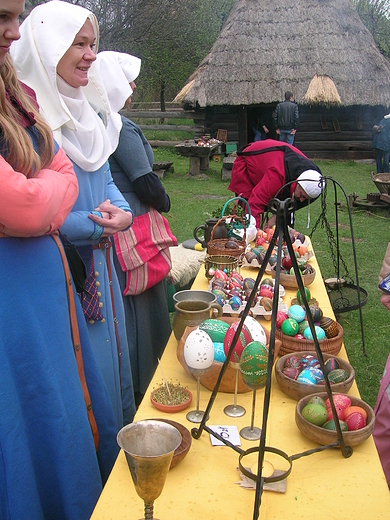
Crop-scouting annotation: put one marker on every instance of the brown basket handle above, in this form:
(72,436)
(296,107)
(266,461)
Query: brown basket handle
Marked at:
(238,217)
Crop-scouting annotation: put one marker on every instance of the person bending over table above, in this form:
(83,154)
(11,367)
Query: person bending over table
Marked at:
(261,171)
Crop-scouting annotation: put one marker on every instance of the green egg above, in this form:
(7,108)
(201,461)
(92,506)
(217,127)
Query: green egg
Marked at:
(315,414)
(337,376)
(316,399)
(307,294)
(290,327)
(253,365)
(330,425)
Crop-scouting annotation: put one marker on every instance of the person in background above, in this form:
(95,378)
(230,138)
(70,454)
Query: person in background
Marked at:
(55,56)
(381,431)
(261,170)
(147,316)
(57,426)
(381,144)
(286,118)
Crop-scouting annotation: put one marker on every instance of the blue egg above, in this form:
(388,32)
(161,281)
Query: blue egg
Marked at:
(219,352)
(297,312)
(235,302)
(306,377)
(220,300)
(319,332)
(318,374)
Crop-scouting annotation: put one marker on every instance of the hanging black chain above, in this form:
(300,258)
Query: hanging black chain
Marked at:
(323,221)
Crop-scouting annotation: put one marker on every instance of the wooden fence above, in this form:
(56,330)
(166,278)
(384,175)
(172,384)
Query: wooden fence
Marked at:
(150,112)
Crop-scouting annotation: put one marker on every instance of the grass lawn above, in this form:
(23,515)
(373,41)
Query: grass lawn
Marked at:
(196,199)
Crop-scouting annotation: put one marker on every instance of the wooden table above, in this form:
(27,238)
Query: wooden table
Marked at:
(199,155)
(322,486)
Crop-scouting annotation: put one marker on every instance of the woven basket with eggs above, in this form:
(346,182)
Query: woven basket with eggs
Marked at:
(331,345)
(227,246)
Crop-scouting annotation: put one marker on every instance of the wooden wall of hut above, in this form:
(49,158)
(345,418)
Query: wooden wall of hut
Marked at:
(323,133)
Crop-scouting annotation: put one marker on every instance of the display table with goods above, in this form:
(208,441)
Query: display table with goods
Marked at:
(207,482)
(199,152)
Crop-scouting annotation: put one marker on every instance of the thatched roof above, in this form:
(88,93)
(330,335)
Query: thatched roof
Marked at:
(268,47)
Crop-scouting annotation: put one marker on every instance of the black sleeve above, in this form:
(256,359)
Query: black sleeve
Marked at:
(150,190)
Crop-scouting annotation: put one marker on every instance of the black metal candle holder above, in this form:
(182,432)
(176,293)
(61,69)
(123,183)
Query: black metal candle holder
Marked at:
(283,211)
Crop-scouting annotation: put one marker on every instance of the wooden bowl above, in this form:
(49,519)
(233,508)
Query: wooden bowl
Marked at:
(185,445)
(209,379)
(321,436)
(289,280)
(297,390)
(292,345)
(171,408)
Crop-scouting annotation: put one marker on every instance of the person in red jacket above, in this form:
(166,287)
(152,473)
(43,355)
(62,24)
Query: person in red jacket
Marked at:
(263,168)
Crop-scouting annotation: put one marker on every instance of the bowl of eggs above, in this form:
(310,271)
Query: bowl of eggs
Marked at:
(300,374)
(313,417)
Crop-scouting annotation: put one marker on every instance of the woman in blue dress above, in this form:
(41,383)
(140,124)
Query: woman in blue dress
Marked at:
(55,57)
(57,426)
(147,315)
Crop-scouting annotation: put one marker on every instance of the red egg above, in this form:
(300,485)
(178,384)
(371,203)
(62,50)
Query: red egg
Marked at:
(290,372)
(355,421)
(287,263)
(264,291)
(221,274)
(340,400)
(242,341)
(280,317)
(339,413)
(352,409)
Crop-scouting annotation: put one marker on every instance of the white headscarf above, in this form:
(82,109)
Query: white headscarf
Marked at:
(309,181)
(117,70)
(46,35)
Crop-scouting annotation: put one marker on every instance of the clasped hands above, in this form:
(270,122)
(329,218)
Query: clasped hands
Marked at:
(114,219)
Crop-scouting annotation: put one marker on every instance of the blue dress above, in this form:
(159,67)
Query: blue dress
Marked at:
(48,463)
(113,360)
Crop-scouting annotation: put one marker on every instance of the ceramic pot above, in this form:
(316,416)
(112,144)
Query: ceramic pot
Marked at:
(191,313)
(219,232)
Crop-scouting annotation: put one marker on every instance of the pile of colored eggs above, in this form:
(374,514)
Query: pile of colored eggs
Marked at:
(235,290)
(307,370)
(294,323)
(319,412)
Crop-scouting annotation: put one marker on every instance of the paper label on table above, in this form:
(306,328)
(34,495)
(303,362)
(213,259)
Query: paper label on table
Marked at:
(230,433)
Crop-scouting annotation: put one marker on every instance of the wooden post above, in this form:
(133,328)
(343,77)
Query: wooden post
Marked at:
(205,162)
(194,165)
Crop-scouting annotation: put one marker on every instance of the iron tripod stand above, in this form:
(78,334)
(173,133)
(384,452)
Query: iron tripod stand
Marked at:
(283,211)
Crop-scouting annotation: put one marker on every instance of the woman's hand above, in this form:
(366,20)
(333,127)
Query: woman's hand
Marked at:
(114,219)
(385,300)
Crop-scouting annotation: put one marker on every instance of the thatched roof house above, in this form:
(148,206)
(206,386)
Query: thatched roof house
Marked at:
(318,49)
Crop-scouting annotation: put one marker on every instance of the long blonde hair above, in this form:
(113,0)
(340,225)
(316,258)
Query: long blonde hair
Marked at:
(20,153)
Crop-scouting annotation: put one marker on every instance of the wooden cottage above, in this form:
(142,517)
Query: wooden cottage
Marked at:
(318,49)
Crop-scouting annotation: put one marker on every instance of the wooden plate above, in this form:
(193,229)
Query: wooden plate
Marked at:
(184,447)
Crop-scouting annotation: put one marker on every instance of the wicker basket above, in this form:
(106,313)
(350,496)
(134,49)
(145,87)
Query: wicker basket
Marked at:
(382,182)
(217,246)
(290,345)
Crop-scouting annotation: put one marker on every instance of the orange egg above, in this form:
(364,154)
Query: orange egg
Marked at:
(302,250)
(352,409)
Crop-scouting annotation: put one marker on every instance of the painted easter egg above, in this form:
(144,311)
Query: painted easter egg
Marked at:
(355,421)
(216,329)
(331,364)
(330,425)
(320,333)
(280,317)
(318,375)
(239,346)
(314,414)
(341,400)
(253,365)
(293,361)
(297,313)
(307,295)
(308,360)
(219,352)
(339,412)
(291,372)
(250,256)
(198,351)
(219,273)
(256,330)
(316,399)
(266,292)
(248,283)
(290,327)
(316,312)
(330,327)
(337,376)
(266,303)
(235,302)
(354,408)
(306,377)
(268,281)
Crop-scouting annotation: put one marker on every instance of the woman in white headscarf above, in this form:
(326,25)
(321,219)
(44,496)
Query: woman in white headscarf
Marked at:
(54,57)
(147,314)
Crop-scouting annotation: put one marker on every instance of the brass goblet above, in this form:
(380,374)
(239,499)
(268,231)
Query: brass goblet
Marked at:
(149,447)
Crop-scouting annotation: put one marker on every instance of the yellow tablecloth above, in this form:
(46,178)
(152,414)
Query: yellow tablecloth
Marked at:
(204,485)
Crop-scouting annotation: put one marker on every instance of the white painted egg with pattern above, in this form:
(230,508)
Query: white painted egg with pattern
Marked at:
(256,330)
(198,351)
